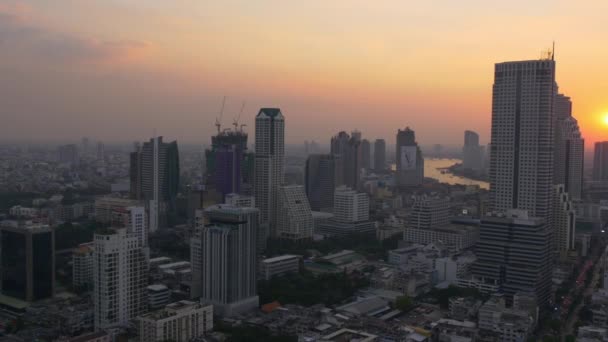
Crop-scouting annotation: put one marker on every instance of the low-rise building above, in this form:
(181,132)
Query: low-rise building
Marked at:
(451,330)
(455,237)
(158,296)
(180,322)
(592,334)
(344,335)
(279,265)
(510,325)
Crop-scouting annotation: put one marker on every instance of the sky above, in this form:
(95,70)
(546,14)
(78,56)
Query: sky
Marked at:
(120,70)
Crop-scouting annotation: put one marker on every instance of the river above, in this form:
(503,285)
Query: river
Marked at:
(434,166)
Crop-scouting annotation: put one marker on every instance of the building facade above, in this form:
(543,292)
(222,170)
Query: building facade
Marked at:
(181,321)
(600,161)
(279,265)
(429,212)
(322,176)
(569,149)
(410,163)
(472,157)
(350,205)
(380,155)
(295,220)
(348,149)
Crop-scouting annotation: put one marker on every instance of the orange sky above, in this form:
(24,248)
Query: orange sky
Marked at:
(118,69)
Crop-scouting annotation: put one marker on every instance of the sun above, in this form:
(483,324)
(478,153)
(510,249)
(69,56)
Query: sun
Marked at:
(605,119)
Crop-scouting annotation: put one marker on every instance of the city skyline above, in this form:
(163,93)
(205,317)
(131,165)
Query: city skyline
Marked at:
(99,80)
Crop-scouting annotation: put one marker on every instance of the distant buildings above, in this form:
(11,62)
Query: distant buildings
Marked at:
(120,276)
(348,149)
(410,163)
(569,149)
(154,174)
(379,155)
(295,220)
(224,260)
(600,161)
(68,154)
(351,214)
(27,260)
(225,162)
(366,151)
(472,152)
(564,221)
(322,175)
(269,164)
(181,321)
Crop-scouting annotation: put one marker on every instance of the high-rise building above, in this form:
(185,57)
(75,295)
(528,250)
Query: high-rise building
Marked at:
(600,161)
(269,163)
(350,205)
(322,175)
(410,163)
(120,277)
(101,151)
(154,173)
(514,253)
(471,152)
(82,266)
(295,218)
(429,212)
(366,157)
(68,154)
(521,165)
(27,260)
(134,219)
(563,221)
(224,260)
(569,149)
(225,162)
(348,149)
(379,155)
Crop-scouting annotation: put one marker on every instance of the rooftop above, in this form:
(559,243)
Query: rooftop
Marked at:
(279,258)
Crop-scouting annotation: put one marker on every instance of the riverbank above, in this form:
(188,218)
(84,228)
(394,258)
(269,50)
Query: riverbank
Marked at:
(439,169)
(458,170)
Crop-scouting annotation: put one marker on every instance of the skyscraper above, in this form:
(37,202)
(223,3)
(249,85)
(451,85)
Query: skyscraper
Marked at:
(120,277)
(322,175)
(154,174)
(295,218)
(225,162)
(563,221)
(569,149)
(366,154)
(27,260)
(410,163)
(471,152)
(348,149)
(224,260)
(379,155)
(521,165)
(134,219)
(600,161)
(269,163)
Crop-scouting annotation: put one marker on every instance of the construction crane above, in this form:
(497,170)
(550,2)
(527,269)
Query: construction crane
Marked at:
(235,123)
(218,120)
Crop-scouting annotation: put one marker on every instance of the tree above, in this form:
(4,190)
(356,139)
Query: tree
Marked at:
(404,303)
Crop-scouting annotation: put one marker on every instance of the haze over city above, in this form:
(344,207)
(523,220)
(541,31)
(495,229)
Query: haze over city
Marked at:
(118,69)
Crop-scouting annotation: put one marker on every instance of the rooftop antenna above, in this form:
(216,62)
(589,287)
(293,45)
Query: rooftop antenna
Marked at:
(218,121)
(235,123)
(553,51)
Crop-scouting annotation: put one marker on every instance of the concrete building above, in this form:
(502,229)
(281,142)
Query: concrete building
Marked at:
(120,276)
(410,163)
(23,212)
(454,237)
(82,266)
(106,206)
(350,205)
(600,161)
(569,149)
(295,220)
(322,175)
(182,321)
(506,324)
(269,164)
(450,269)
(158,296)
(366,156)
(429,212)
(224,260)
(472,157)
(68,154)
(563,222)
(521,164)
(348,150)
(135,220)
(154,175)
(514,252)
(27,260)
(279,265)
(238,200)
(380,155)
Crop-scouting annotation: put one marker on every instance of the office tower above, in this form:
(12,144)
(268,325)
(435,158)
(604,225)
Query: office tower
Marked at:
(85,145)
(322,175)
(28,260)
(514,252)
(224,260)
(563,221)
(366,154)
(600,161)
(295,218)
(379,155)
(101,151)
(182,321)
(269,163)
(569,148)
(350,205)
(429,212)
(356,134)
(521,165)
(68,154)
(134,219)
(154,173)
(471,152)
(225,161)
(348,149)
(410,163)
(82,266)
(120,277)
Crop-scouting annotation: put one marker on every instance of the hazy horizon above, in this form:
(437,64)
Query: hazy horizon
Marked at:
(118,70)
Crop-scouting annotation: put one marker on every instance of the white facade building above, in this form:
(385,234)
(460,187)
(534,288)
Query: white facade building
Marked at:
(429,212)
(269,164)
(82,265)
(134,219)
(350,205)
(564,221)
(158,296)
(295,221)
(182,321)
(120,273)
(283,264)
